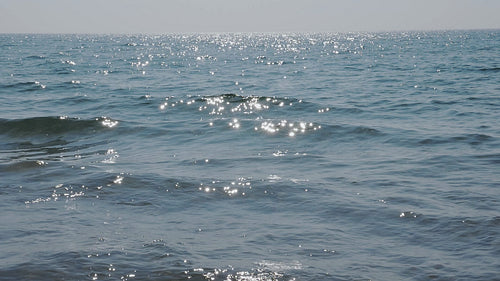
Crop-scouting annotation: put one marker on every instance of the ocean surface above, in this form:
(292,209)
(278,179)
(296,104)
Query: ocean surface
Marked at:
(350,156)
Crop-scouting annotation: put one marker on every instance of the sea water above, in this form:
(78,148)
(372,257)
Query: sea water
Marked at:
(352,156)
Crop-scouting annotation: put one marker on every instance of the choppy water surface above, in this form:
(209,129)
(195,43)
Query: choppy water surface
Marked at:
(250,156)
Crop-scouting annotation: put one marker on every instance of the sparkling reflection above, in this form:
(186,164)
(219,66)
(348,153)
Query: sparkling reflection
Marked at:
(106,122)
(233,188)
(232,106)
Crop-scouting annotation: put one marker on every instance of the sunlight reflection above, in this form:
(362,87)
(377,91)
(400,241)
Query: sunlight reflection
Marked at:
(118,180)
(233,188)
(234,124)
(233,105)
(109,123)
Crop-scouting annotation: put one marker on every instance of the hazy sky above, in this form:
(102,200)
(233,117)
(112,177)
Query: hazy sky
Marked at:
(167,16)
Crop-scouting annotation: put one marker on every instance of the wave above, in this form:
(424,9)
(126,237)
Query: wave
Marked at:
(348,132)
(53,125)
(22,165)
(33,142)
(24,86)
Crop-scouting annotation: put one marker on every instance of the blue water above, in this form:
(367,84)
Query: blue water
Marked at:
(357,156)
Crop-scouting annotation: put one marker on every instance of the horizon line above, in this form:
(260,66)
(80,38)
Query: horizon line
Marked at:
(250,32)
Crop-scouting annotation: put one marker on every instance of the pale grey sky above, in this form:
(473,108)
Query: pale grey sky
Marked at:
(167,16)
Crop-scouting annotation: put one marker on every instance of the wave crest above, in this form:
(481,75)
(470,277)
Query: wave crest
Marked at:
(53,125)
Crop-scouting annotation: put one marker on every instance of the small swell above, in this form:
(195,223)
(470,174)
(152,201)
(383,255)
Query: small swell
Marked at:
(25,86)
(74,100)
(348,132)
(365,131)
(472,139)
(344,110)
(22,165)
(52,125)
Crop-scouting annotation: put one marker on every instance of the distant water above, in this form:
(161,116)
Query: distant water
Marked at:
(250,156)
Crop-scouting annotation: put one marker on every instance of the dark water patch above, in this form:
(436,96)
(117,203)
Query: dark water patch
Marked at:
(490,69)
(488,158)
(474,98)
(443,102)
(471,139)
